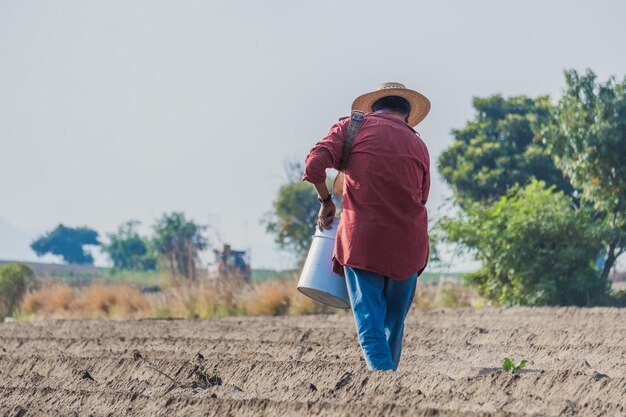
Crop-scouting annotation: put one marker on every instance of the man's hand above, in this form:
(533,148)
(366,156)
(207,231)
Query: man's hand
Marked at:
(326,215)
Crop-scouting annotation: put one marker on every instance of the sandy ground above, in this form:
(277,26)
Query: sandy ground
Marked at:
(311,365)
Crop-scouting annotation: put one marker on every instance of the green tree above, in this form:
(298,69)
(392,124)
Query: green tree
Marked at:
(588,140)
(536,248)
(68,243)
(294,216)
(499,149)
(128,250)
(14,280)
(179,240)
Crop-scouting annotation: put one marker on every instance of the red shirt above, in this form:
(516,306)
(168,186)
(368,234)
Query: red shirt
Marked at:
(384,225)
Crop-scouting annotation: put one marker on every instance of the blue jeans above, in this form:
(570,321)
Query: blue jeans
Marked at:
(380,305)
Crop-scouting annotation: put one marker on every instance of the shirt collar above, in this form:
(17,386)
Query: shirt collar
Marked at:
(391,116)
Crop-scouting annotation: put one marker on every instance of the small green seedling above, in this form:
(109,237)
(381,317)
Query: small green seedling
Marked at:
(509,365)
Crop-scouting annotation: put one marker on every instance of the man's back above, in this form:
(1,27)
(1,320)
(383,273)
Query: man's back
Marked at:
(383,225)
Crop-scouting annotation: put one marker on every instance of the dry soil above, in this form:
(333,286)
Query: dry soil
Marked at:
(311,365)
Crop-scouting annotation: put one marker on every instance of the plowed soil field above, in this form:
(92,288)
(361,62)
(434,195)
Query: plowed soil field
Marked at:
(311,365)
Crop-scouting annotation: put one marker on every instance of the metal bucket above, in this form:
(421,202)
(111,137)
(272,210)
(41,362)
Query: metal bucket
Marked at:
(318,281)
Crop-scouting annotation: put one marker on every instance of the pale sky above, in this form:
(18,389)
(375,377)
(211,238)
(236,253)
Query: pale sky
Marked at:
(119,110)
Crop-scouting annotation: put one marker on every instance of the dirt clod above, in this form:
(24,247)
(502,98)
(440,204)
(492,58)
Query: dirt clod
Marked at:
(19,412)
(598,376)
(343,381)
(86,375)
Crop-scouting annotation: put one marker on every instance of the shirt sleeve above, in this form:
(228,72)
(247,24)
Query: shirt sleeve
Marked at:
(325,154)
(426,179)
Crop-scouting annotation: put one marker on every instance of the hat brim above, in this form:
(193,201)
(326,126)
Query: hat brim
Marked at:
(420,105)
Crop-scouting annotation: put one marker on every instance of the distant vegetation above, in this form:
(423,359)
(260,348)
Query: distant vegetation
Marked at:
(111,294)
(260,275)
(68,243)
(175,245)
(202,299)
(293,218)
(14,281)
(130,251)
(535,249)
(178,241)
(540,193)
(587,138)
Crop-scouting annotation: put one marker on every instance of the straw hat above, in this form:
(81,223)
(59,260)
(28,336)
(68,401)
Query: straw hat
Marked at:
(420,105)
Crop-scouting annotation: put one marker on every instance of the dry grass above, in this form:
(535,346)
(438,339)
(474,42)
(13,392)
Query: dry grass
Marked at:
(117,301)
(446,293)
(204,299)
(275,297)
(301,304)
(281,297)
(268,298)
(96,301)
(199,300)
(56,300)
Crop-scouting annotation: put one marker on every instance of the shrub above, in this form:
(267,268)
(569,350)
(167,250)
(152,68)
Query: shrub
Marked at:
(191,300)
(95,301)
(536,249)
(14,280)
(200,300)
(220,299)
(267,298)
(118,301)
(57,300)
(130,251)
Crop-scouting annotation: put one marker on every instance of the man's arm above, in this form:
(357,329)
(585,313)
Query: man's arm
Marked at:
(322,191)
(325,154)
(425,187)
(426,179)
(327,210)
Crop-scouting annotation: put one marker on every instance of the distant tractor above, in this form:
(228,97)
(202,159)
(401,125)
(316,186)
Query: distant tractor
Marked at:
(230,264)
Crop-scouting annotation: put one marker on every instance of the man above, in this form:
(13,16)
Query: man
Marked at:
(382,238)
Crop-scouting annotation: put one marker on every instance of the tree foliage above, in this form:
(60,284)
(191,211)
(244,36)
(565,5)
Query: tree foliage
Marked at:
(536,248)
(294,217)
(588,140)
(498,150)
(535,239)
(14,280)
(179,240)
(68,243)
(128,250)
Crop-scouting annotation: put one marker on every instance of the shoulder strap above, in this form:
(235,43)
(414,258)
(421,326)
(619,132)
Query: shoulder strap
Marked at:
(356,118)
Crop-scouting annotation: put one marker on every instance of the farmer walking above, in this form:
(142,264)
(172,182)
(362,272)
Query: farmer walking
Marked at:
(382,237)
